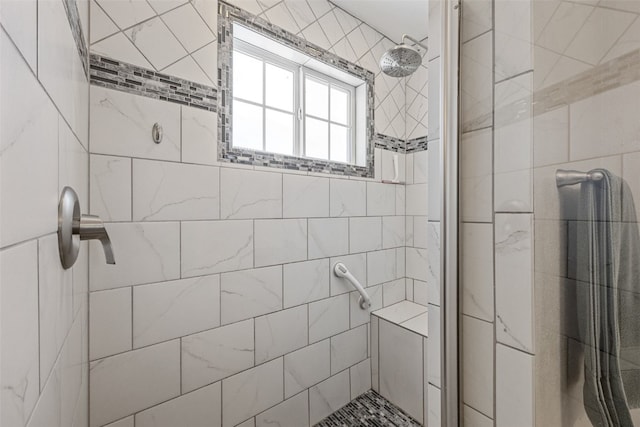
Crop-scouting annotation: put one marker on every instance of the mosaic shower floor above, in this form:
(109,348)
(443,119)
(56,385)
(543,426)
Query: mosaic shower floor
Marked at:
(369,410)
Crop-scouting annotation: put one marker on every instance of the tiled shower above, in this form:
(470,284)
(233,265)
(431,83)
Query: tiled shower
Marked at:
(223,308)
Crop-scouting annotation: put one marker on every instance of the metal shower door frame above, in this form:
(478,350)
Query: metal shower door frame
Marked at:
(449,216)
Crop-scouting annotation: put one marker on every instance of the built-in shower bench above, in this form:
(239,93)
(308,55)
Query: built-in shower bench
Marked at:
(399,356)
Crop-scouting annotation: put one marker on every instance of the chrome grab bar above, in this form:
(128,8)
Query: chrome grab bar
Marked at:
(340,270)
(570,177)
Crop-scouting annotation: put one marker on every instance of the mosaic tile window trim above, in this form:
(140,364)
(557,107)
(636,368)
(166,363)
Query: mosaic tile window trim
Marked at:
(118,75)
(73,15)
(369,410)
(228,14)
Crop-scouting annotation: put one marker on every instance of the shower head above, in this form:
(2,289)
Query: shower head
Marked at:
(402,60)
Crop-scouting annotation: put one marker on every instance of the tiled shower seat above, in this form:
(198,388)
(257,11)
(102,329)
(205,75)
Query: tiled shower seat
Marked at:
(398,356)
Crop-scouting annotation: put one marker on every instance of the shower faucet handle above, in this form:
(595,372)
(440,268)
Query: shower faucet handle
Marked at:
(74,227)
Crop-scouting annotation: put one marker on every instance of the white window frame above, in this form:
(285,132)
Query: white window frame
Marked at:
(300,73)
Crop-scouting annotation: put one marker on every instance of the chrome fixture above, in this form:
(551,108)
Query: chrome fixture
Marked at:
(157,133)
(403,60)
(74,227)
(341,270)
(570,177)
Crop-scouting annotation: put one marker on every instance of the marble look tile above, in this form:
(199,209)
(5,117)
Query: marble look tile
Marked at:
(209,12)
(144,253)
(199,136)
(121,125)
(476,176)
(401,312)
(393,292)
(433,353)
(190,29)
(250,194)
(60,69)
(433,118)
(73,164)
(293,412)
(551,137)
(417,199)
(422,294)
(251,422)
(514,292)
(214,247)
(101,25)
(55,296)
(110,322)
(417,264)
(513,39)
(381,199)
(127,383)
(156,42)
(125,422)
(393,231)
(195,409)
(305,196)
(477,18)
(477,279)
(357,315)
(477,364)
(514,387)
(477,82)
(564,24)
(435,181)
(328,317)
(119,46)
(110,186)
(400,368)
(281,333)
(365,234)
(216,354)
(328,237)
(629,42)
(381,267)
(357,265)
(280,241)
(329,396)
(419,325)
(167,310)
(126,14)
(187,68)
(434,400)
(170,191)
(306,282)
(251,392)
(420,167)
(348,348)
(306,367)
(20,21)
(19,380)
(360,378)
(29,135)
(374,352)
(471,417)
(401,200)
(250,293)
(348,197)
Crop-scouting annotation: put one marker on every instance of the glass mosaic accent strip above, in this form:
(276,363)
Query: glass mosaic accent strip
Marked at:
(369,410)
(118,75)
(228,14)
(389,143)
(416,144)
(73,15)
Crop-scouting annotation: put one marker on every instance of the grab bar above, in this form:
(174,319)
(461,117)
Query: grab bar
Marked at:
(341,271)
(569,177)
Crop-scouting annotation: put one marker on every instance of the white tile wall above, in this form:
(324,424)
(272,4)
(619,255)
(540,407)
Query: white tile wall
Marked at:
(250,293)
(329,396)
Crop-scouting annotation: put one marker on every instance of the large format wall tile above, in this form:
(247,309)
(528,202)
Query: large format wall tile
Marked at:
(328,317)
(477,271)
(280,241)
(328,237)
(476,176)
(306,367)
(250,194)
(306,282)
(20,20)
(514,387)
(477,364)
(110,322)
(329,396)
(281,333)
(305,196)
(348,197)
(365,234)
(110,184)
(291,412)
(250,293)
(348,348)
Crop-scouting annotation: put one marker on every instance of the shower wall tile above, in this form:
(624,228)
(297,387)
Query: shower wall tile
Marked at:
(348,197)
(328,317)
(393,232)
(250,293)
(198,408)
(551,137)
(476,176)
(146,253)
(110,323)
(434,411)
(281,333)
(121,125)
(165,191)
(20,21)
(514,387)
(216,246)
(328,237)
(167,310)
(477,277)
(110,185)
(471,417)
(433,356)
(417,199)
(329,396)
(251,392)
(365,234)
(348,348)
(360,378)
(291,412)
(381,199)
(417,259)
(199,128)
(306,282)
(280,241)
(216,354)
(250,194)
(514,288)
(477,364)
(125,422)
(382,267)
(513,39)
(143,378)
(476,19)
(306,367)
(477,73)
(434,181)
(305,196)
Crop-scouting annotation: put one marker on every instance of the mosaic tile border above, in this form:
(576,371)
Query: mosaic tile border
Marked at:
(118,75)
(226,16)
(389,143)
(369,410)
(73,15)
(416,144)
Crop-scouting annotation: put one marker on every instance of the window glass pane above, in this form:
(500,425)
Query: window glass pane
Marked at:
(279,88)
(317,98)
(317,138)
(339,106)
(279,132)
(247,125)
(339,143)
(247,77)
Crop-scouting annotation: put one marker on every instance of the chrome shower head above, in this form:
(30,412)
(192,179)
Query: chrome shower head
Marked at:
(402,60)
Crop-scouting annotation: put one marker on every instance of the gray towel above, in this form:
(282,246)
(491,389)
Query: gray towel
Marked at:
(608,254)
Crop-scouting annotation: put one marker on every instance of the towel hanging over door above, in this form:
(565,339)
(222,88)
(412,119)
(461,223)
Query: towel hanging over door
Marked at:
(608,298)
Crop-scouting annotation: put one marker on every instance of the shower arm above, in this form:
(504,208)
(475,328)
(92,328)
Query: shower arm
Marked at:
(571,177)
(408,37)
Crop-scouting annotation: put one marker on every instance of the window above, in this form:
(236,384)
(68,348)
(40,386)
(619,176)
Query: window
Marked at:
(284,102)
